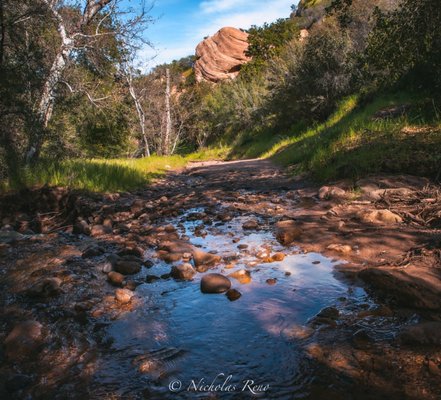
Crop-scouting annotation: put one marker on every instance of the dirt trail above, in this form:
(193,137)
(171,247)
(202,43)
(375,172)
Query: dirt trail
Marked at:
(71,270)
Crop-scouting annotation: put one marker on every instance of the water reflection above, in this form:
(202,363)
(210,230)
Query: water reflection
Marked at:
(179,333)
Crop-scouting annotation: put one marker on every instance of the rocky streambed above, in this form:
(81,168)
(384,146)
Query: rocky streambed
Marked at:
(227,281)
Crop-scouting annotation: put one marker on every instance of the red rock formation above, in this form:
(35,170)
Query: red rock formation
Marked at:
(220,56)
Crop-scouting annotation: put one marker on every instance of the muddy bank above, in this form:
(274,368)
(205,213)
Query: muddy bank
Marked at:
(99,292)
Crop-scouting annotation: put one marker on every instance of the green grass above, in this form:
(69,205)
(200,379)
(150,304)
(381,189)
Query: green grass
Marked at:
(352,143)
(98,175)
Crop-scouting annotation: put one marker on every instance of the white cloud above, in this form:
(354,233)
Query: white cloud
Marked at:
(214,6)
(260,13)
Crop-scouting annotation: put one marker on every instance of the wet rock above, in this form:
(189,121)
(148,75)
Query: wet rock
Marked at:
(263,254)
(380,311)
(169,228)
(115,278)
(271,281)
(137,206)
(329,312)
(411,287)
(425,333)
(106,267)
(184,272)
(340,248)
(23,341)
(131,285)
(48,287)
(127,265)
(108,225)
(124,296)
(92,251)
(250,224)
(186,257)
(242,246)
(384,217)
(242,275)
(81,227)
(99,230)
(152,278)
(332,193)
(233,294)
(215,283)
(287,232)
(201,258)
(131,251)
(169,257)
(278,257)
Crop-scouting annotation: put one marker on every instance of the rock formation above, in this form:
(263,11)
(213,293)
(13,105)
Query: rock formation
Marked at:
(219,57)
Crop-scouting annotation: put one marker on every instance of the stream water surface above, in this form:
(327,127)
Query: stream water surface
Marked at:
(180,341)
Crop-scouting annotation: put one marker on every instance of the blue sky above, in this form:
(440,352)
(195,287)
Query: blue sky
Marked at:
(181,25)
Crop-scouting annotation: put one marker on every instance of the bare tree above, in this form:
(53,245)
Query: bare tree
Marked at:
(75,35)
(138,101)
(168,121)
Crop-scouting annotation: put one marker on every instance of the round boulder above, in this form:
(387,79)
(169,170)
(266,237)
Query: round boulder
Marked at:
(215,283)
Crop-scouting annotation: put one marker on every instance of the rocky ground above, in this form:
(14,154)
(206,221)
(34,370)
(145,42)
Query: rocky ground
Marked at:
(68,261)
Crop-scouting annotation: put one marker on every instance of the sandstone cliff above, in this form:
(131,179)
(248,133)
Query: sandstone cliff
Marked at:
(220,56)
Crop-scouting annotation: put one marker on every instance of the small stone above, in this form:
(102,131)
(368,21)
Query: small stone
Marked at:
(332,193)
(201,258)
(106,267)
(340,248)
(124,296)
(250,224)
(278,257)
(242,246)
(263,254)
(186,257)
(127,266)
(271,281)
(287,232)
(81,227)
(98,230)
(131,285)
(384,217)
(233,295)
(115,278)
(242,275)
(215,283)
(184,272)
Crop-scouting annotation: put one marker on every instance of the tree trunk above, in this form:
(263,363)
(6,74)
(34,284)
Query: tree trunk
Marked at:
(166,144)
(47,100)
(141,117)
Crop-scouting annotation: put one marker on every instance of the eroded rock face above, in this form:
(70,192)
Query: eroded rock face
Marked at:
(219,57)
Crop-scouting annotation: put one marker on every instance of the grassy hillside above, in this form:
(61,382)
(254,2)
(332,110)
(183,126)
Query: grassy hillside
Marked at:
(394,133)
